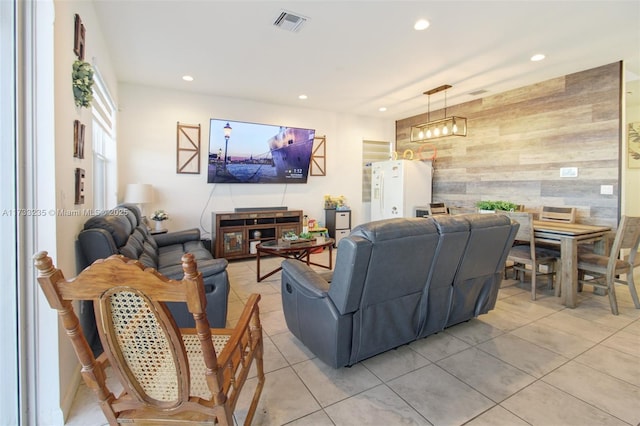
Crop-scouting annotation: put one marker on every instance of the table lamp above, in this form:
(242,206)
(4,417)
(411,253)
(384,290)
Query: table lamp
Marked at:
(140,194)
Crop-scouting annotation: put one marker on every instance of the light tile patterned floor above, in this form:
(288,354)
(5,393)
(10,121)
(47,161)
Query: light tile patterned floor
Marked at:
(525,362)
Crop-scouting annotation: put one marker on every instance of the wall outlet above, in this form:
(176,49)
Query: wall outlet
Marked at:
(606,189)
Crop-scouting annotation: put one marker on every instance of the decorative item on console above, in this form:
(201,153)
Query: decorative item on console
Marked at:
(338,203)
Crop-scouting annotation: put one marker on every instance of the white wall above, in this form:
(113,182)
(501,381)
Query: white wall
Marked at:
(147,154)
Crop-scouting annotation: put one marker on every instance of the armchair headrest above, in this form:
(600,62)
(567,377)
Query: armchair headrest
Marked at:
(391,229)
(116,222)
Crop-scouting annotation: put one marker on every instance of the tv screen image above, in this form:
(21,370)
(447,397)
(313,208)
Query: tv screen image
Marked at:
(243,152)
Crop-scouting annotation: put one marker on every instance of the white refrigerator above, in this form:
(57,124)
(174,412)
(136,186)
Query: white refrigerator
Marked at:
(398,187)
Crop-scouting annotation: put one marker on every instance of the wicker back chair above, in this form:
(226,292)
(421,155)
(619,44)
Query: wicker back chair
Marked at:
(168,375)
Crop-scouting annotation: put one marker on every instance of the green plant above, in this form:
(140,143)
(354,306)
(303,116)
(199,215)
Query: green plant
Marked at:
(82,78)
(306,236)
(496,205)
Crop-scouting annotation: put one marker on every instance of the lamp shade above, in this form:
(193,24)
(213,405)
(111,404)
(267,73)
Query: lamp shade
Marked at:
(139,193)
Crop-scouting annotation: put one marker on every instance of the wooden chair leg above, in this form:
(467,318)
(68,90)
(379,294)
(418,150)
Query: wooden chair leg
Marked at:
(534,273)
(632,289)
(612,295)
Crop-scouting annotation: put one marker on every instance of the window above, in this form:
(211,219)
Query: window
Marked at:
(372,151)
(104,146)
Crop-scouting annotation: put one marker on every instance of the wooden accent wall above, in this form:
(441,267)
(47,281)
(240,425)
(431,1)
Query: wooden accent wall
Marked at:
(517,142)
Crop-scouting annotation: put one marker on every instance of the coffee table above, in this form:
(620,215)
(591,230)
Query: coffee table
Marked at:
(293,250)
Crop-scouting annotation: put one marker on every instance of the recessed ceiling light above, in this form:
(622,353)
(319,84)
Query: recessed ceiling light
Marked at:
(187,78)
(421,24)
(382,109)
(537,57)
(302,97)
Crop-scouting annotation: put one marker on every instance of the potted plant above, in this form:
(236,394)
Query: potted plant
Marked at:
(493,206)
(159,216)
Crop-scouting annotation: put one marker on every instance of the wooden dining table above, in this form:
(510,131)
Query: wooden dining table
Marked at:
(567,236)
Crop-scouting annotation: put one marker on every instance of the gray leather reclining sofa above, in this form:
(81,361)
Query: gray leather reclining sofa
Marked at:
(120,231)
(396,281)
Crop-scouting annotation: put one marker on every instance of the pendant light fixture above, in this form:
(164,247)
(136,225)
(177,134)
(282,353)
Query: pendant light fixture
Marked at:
(447,126)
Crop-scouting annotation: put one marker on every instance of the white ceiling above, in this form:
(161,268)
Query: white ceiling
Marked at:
(357,56)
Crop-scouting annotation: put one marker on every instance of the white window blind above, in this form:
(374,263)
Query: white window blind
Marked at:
(104,146)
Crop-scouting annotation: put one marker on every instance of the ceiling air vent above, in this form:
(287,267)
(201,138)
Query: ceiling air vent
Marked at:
(289,21)
(478,92)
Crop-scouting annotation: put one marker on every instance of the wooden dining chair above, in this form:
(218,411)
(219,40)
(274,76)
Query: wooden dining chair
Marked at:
(438,208)
(524,253)
(169,375)
(605,271)
(558,214)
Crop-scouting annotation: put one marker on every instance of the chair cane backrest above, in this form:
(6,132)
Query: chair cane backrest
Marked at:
(151,357)
(150,353)
(558,214)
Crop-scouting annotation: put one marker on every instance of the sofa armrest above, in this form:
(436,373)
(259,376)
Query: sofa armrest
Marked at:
(95,244)
(307,281)
(208,268)
(179,237)
(312,316)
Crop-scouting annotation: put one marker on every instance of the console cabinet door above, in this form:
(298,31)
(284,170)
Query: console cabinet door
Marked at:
(288,228)
(232,242)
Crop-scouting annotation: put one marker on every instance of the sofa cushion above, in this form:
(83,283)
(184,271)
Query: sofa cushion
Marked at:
(148,261)
(132,249)
(150,251)
(148,237)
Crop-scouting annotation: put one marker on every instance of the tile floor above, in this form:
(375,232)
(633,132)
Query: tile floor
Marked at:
(524,363)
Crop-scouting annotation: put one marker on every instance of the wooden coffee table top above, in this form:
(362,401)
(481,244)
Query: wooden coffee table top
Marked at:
(291,246)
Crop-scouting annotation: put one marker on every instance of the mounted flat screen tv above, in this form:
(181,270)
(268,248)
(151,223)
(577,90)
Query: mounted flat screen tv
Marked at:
(241,152)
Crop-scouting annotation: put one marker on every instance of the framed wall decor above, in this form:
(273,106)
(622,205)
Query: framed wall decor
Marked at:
(78,139)
(188,149)
(79,186)
(319,157)
(633,142)
(78,39)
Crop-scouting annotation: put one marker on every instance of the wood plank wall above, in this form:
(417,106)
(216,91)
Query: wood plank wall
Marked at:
(517,142)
